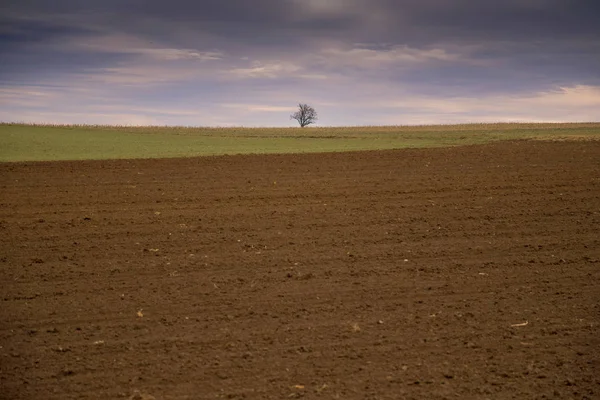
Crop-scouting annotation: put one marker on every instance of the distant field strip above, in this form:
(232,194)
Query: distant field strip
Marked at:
(19,142)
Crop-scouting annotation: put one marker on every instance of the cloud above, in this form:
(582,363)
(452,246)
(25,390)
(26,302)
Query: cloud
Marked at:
(265,70)
(135,46)
(65,118)
(258,107)
(330,7)
(329,62)
(368,57)
(24,96)
(138,75)
(242,62)
(579,96)
(179,54)
(567,104)
(275,70)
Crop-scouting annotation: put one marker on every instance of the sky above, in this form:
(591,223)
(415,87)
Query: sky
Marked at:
(251,62)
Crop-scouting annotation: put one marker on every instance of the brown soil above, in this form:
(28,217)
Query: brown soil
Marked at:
(460,273)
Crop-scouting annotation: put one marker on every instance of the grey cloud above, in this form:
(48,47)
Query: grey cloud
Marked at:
(18,32)
(437,20)
(287,22)
(453,48)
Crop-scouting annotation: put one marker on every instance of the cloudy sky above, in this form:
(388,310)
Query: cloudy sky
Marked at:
(249,62)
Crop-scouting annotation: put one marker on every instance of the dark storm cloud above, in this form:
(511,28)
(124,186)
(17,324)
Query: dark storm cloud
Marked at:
(21,32)
(206,15)
(24,48)
(526,20)
(16,32)
(408,22)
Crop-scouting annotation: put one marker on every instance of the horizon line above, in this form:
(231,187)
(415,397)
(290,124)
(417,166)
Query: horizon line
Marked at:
(85,125)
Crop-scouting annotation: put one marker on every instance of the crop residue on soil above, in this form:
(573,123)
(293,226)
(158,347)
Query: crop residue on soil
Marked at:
(468,272)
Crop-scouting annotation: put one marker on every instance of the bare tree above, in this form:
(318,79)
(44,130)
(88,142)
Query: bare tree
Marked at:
(305,115)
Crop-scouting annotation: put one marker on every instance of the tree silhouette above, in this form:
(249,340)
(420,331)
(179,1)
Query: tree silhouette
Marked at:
(305,115)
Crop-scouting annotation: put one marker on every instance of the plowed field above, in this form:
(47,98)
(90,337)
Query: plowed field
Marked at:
(459,273)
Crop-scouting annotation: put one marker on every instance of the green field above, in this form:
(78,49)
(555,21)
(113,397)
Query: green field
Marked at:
(20,142)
